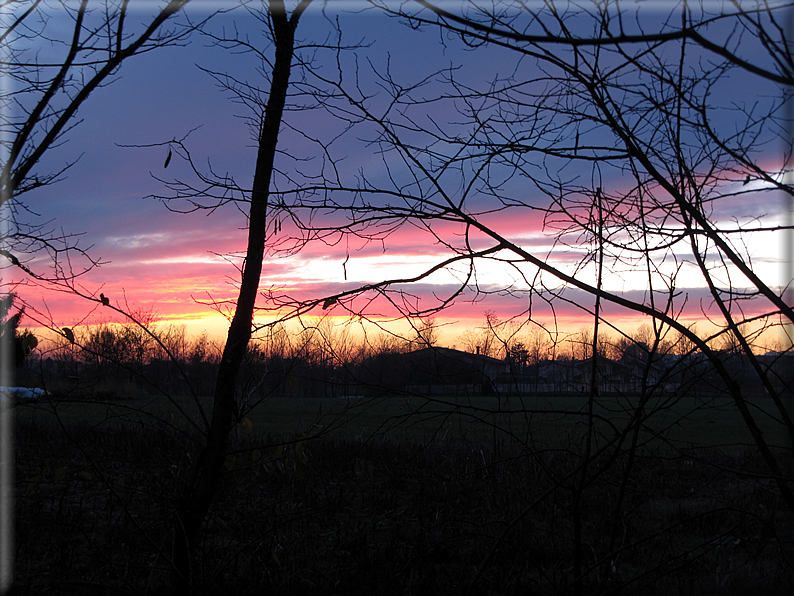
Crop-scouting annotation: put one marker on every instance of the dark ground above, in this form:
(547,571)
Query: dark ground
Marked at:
(346,515)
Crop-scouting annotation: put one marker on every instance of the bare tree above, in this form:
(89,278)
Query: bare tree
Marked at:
(426,333)
(50,71)
(619,126)
(610,137)
(204,478)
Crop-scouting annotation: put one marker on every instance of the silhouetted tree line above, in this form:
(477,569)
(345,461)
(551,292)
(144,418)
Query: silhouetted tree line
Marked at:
(116,360)
(324,360)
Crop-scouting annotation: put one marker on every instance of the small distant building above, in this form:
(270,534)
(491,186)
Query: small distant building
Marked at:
(574,377)
(446,371)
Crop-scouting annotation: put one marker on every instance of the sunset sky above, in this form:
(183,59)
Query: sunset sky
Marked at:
(176,264)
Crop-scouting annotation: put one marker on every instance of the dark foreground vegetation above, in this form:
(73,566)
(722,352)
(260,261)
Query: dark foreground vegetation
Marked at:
(341,514)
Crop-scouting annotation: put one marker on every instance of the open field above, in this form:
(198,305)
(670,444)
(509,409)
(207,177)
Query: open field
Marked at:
(683,422)
(401,496)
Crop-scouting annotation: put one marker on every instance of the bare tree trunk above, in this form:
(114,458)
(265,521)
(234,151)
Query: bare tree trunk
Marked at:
(197,498)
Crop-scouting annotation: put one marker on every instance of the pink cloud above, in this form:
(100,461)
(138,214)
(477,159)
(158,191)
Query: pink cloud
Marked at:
(167,262)
(181,291)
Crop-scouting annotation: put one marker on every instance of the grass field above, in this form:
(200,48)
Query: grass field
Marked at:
(685,422)
(400,496)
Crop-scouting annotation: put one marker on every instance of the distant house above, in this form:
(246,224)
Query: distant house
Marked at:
(438,371)
(625,376)
(780,367)
(574,377)
(445,371)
